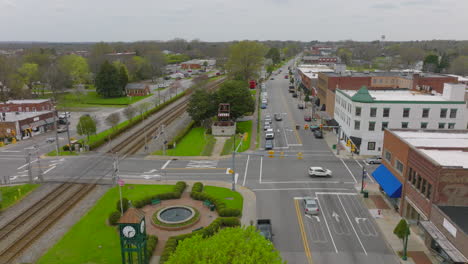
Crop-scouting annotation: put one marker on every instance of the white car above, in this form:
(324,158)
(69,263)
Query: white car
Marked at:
(320,172)
(268,119)
(310,206)
(64,115)
(264,101)
(267,126)
(269,134)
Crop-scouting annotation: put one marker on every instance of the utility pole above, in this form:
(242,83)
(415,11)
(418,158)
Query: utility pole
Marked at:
(116,178)
(40,176)
(57,146)
(364,173)
(234,164)
(68,131)
(338,141)
(164,139)
(28,160)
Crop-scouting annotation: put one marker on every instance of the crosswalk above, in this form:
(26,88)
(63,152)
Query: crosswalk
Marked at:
(202,164)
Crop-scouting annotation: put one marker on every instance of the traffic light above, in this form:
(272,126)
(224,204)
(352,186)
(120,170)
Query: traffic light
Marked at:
(271,153)
(321,126)
(306,127)
(299,155)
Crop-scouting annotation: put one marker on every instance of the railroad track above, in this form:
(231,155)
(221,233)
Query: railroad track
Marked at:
(19,233)
(136,141)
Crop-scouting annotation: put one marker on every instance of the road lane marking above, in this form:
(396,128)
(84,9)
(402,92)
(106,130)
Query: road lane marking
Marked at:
(334,182)
(292,189)
(368,176)
(349,219)
(303,233)
(285,138)
(197,169)
(326,223)
(261,168)
(337,193)
(165,164)
(246,168)
(348,170)
(19,168)
(49,169)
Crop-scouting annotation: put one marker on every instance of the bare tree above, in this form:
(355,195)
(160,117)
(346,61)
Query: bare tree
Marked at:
(129,112)
(113,119)
(143,107)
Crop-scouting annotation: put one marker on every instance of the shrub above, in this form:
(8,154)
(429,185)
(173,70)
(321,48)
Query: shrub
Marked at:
(227,212)
(197,187)
(151,243)
(172,242)
(124,204)
(114,217)
(179,188)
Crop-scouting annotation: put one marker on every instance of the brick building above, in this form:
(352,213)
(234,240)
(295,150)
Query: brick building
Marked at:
(424,172)
(21,125)
(328,82)
(33,105)
(326,60)
(137,89)
(308,74)
(197,64)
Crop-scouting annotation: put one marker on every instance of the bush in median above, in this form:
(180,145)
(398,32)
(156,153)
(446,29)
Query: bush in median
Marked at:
(179,188)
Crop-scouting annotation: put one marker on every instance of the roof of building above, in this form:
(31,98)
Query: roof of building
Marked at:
(362,96)
(400,95)
(131,216)
(136,86)
(312,70)
(13,117)
(458,214)
(442,146)
(28,101)
(200,62)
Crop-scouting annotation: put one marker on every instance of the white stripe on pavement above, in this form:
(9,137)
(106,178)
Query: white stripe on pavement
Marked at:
(49,169)
(261,168)
(165,164)
(348,170)
(293,189)
(19,168)
(246,169)
(334,182)
(326,223)
(349,219)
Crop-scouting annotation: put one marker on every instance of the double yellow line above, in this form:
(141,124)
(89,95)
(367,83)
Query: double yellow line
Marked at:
(303,233)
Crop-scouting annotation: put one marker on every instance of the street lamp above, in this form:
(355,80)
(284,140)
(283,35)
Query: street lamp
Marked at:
(405,242)
(364,173)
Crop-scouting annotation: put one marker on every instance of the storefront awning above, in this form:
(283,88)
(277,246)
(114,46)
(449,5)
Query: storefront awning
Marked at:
(455,255)
(386,180)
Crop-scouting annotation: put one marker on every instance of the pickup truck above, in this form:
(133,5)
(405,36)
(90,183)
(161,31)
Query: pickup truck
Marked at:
(264,226)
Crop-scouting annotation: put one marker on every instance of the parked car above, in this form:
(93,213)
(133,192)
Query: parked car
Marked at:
(65,115)
(272,78)
(264,227)
(318,134)
(263,106)
(300,106)
(50,140)
(294,95)
(319,171)
(285,76)
(268,144)
(374,160)
(307,118)
(61,129)
(264,101)
(267,126)
(278,117)
(269,134)
(268,119)
(311,206)
(314,128)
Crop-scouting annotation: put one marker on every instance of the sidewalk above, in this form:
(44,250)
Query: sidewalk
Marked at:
(387,220)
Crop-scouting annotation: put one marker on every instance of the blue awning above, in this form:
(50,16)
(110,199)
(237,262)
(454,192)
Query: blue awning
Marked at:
(386,180)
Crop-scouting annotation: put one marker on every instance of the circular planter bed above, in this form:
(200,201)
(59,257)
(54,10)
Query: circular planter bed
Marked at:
(167,220)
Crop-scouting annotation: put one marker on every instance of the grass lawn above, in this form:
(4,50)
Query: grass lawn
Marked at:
(236,202)
(13,194)
(62,153)
(253,92)
(93,99)
(195,143)
(91,240)
(242,127)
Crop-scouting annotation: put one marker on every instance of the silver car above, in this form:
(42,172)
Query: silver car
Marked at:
(310,206)
(374,160)
(319,171)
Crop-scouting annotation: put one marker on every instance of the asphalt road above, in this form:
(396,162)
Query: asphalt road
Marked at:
(342,232)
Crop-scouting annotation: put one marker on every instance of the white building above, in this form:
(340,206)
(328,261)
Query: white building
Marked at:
(363,115)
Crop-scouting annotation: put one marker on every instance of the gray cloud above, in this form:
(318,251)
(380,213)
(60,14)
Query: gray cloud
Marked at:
(384,6)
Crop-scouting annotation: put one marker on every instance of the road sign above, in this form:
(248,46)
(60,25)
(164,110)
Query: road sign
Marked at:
(121,183)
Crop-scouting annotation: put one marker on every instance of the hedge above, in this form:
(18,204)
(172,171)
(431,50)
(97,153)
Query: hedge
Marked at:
(112,133)
(181,134)
(114,217)
(151,242)
(220,206)
(179,188)
(210,230)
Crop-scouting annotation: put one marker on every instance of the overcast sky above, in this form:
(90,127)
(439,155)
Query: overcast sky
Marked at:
(223,20)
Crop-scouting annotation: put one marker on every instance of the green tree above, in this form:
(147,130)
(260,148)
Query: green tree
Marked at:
(123,77)
(237,94)
(29,73)
(86,126)
(139,68)
(459,65)
(274,55)
(431,63)
(245,60)
(76,68)
(108,82)
(97,56)
(201,106)
(444,63)
(156,61)
(229,245)
(345,55)
(270,68)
